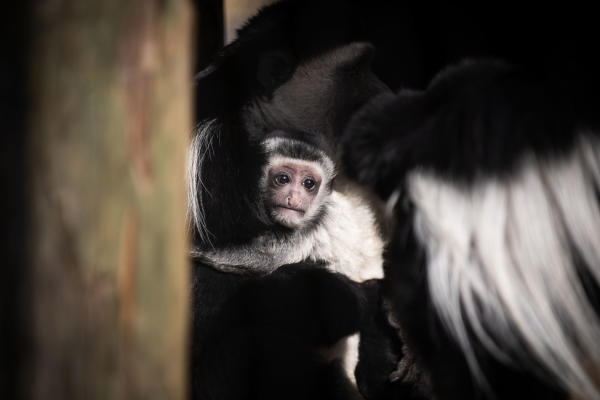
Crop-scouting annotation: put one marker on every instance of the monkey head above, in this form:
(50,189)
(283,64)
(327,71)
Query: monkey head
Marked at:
(296,181)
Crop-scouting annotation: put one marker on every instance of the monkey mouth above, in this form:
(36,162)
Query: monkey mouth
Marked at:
(284,208)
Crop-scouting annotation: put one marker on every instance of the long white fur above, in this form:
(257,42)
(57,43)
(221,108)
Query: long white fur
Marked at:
(200,148)
(500,259)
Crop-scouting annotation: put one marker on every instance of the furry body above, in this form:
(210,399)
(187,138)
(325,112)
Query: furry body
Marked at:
(345,237)
(498,227)
(281,74)
(284,319)
(261,337)
(336,240)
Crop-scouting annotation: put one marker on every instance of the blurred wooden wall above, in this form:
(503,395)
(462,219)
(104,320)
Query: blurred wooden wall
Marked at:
(95,275)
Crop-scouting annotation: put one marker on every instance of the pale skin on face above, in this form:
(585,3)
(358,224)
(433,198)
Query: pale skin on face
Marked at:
(293,187)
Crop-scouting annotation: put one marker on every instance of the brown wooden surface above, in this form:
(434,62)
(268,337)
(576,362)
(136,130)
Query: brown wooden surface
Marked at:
(106,153)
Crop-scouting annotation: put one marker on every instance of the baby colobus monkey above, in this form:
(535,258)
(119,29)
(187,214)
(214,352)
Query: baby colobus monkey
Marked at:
(307,218)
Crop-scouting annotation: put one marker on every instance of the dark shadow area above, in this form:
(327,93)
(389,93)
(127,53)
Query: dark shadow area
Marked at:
(13,275)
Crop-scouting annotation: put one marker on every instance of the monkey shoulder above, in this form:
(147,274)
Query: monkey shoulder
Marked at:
(349,237)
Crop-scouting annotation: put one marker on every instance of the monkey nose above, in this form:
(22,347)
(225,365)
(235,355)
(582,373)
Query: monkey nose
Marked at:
(292,201)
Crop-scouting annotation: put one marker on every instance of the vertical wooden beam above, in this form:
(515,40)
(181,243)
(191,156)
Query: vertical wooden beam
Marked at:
(111,116)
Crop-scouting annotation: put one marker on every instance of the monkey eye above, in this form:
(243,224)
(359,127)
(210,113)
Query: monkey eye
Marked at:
(309,184)
(281,179)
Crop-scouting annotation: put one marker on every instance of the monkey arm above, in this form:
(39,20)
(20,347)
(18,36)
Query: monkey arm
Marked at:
(265,332)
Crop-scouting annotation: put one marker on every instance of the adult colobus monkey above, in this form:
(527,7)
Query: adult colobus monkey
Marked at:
(268,107)
(493,269)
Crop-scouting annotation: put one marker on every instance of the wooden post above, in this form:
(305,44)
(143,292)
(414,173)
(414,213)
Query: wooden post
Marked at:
(110,120)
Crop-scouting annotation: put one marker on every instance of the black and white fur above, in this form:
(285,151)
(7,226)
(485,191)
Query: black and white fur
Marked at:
(494,268)
(283,319)
(340,231)
(466,140)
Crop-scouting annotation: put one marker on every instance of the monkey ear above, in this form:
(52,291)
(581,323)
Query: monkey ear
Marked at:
(354,57)
(274,67)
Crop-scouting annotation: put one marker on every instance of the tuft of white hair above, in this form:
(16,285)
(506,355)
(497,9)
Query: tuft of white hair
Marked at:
(201,147)
(501,256)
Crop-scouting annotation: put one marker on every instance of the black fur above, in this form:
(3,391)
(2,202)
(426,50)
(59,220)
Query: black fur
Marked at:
(477,119)
(263,340)
(297,147)
(260,337)
(440,129)
(234,160)
(381,351)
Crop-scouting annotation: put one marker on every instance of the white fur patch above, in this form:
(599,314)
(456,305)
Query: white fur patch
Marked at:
(346,351)
(349,240)
(200,148)
(325,165)
(350,359)
(500,258)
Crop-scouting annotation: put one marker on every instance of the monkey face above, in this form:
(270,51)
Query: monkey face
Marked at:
(293,188)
